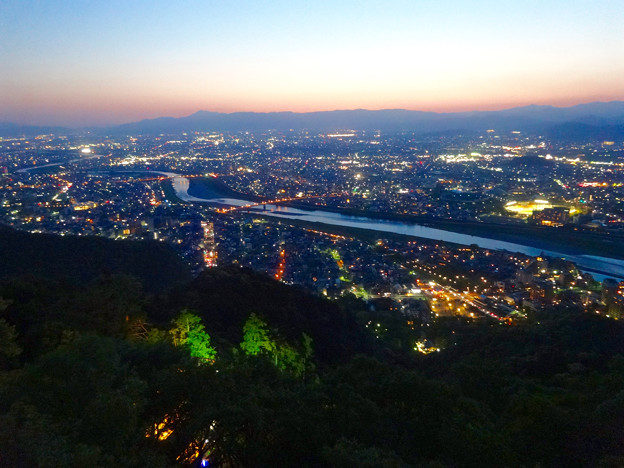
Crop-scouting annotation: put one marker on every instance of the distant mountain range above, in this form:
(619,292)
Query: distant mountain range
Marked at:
(8,129)
(597,120)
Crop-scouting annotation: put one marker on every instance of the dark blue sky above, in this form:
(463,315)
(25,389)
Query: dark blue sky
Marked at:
(96,62)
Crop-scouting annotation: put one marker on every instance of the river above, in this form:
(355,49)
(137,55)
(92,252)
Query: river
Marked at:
(599,267)
(43,166)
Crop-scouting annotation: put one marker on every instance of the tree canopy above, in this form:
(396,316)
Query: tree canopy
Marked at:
(77,389)
(189,331)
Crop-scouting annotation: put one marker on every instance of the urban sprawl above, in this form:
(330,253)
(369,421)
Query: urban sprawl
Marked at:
(129,188)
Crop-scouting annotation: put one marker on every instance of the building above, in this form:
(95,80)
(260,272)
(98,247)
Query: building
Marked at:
(556,216)
(208,245)
(609,290)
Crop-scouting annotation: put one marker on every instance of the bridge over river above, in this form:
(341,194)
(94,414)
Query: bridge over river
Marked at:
(600,267)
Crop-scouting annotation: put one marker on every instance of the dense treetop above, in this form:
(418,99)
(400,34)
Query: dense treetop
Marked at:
(242,370)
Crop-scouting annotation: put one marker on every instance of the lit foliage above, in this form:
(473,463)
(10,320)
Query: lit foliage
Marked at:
(189,331)
(256,337)
(287,358)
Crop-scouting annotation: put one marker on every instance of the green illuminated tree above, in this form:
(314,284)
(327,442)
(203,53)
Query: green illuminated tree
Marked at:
(287,358)
(256,337)
(188,330)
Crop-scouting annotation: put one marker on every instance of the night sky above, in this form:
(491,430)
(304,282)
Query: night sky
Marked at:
(106,62)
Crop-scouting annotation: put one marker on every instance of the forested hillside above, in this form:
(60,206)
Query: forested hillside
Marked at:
(82,259)
(236,369)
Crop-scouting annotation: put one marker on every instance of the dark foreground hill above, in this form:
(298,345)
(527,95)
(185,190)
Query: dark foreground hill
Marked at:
(225,297)
(242,371)
(82,259)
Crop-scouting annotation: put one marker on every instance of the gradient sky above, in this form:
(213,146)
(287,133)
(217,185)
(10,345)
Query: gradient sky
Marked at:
(105,61)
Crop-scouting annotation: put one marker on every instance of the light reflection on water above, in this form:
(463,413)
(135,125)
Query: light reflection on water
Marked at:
(599,267)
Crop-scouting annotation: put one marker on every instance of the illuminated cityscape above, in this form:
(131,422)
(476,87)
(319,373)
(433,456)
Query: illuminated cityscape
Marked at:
(242,197)
(208,245)
(352,234)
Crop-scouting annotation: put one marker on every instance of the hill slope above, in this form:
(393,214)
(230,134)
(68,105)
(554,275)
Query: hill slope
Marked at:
(82,259)
(609,115)
(225,297)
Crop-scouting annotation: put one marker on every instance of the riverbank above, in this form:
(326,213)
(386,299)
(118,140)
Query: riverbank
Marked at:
(371,235)
(599,267)
(595,258)
(169,191)
(569,240)
(211,187)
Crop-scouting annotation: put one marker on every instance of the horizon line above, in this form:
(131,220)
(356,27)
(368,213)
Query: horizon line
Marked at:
(107,125)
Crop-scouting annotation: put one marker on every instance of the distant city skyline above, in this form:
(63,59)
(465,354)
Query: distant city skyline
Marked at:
(102,63)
